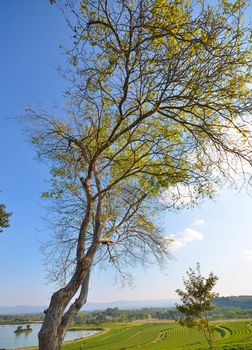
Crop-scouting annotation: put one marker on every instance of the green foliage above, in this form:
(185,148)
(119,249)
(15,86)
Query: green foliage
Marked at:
(4,217)
(197,298)
(196,302)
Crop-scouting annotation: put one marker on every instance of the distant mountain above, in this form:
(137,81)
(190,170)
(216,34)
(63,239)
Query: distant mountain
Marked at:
(21,309)
(130,304)
(121,304)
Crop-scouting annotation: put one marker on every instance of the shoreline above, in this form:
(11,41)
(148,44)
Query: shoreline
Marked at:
(100,330)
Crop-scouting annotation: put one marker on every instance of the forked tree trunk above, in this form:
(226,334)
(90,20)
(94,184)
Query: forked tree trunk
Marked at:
(57,320)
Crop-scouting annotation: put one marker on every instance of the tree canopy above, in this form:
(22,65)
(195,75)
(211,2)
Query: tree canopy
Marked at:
(159,103)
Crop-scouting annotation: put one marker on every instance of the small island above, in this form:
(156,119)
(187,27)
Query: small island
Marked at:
(20,329)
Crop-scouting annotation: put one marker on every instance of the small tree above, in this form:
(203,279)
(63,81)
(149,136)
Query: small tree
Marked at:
(196,301)
(4,218)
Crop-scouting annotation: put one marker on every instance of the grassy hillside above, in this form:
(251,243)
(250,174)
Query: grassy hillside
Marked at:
(166,336)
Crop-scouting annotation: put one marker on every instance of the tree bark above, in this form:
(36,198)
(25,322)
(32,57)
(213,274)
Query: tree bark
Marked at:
(57,321)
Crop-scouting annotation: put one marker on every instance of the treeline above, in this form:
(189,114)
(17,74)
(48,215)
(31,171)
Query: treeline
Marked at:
(242,301)
(229,313)
(115,315)
(21,319)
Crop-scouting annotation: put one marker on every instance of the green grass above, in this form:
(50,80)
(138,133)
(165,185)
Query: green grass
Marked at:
(236,335)
(229,335)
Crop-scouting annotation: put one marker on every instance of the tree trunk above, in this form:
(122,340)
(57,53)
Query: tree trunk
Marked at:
(49,337)
(57,320)
(50,341)
(57,316)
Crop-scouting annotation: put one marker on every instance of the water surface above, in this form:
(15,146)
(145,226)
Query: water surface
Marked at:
(11,340)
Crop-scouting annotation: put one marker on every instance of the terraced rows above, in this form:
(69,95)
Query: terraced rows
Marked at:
(236,335)
(122,337)
(167,336)
(177,337)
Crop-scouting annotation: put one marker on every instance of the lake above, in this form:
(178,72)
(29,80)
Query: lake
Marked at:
(11,340)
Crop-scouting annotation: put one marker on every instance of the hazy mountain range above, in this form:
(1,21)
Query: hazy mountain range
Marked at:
(121,304)
(242,302)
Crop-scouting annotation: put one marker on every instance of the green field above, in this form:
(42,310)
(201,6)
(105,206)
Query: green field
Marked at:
(235,335)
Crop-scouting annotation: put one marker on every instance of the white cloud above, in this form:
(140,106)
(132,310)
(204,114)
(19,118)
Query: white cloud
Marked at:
(179,195)
(248,254)
(182,238)
(199,222)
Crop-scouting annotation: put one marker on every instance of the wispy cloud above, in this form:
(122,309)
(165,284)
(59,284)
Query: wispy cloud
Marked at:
(185,237)
(199,222)
(180,195)
(248,254)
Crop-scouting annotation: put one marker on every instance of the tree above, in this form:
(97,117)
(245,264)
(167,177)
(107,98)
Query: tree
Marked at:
(196,301)
(158,107)
(4,218)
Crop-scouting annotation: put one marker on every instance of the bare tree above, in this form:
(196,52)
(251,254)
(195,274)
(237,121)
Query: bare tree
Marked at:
(159,100)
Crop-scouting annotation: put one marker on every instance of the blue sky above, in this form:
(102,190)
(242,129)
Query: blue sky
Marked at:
(217,234)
